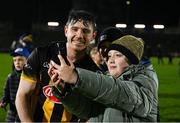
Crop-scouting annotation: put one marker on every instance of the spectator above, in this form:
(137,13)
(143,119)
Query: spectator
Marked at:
(97,58)
(79,30)
(179,68)
(25,40)
(19,60)
(170,58)
(128,95)
(160,54)
(106,37)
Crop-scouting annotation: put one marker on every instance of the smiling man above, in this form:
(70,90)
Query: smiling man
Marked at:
(79,30)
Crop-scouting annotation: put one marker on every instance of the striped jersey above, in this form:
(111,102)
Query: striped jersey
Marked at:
(35,71)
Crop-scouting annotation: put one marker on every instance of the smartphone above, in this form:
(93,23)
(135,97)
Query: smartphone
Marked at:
(59,49)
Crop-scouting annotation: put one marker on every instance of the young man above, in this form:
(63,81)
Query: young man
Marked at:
(79,30)
(19,60)
(126,94)
(107,36)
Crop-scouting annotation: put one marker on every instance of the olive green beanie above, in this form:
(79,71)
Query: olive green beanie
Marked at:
(131,46)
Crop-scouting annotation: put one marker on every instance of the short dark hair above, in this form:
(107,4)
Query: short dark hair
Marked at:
(109,34)
(87,17)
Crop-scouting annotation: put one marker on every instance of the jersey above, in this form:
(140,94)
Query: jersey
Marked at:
(35,71)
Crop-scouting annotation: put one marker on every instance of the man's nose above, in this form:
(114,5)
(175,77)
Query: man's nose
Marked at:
(80,33)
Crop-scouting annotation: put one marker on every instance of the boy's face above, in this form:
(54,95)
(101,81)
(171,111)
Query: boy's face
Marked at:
(117,63)
(79,35)
(19,62)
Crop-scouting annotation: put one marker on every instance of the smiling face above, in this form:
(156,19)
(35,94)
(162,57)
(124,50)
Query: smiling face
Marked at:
(79,35)
(19,62)
(117,63)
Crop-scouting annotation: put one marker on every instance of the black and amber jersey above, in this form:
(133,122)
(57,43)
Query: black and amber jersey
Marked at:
(35,71)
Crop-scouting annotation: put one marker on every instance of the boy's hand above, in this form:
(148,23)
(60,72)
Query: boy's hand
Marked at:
(3,104)
(64,71)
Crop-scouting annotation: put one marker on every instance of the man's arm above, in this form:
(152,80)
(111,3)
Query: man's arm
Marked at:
(23,102)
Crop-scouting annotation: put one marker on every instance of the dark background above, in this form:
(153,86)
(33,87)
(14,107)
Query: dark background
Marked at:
(20,16)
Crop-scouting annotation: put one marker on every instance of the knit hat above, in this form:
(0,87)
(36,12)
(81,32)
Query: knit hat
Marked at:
(131,46)
(109,34)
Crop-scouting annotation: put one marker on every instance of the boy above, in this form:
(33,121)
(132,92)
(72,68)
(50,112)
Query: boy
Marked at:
(19,60)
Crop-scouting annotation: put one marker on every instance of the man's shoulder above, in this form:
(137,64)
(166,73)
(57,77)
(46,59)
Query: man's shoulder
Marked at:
(10,75)
(50,48)
(48,52)
(88,63)
(13,74)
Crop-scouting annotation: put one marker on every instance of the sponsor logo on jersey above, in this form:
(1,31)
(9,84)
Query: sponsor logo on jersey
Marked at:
(47,90)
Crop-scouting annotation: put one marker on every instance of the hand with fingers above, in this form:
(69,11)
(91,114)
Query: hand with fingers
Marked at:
(3,104)
(64,71)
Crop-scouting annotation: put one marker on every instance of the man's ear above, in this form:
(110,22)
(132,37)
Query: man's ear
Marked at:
(94,34)
(65,30)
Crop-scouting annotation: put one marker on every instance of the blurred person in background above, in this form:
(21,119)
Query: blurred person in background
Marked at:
(179,68)
(25,40)
(98,59)
(19,60)
(160,54)
(106,37)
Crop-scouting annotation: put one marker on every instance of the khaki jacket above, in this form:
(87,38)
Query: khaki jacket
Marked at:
(132,97)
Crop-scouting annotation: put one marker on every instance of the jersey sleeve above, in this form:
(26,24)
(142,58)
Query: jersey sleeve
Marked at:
(31,70)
